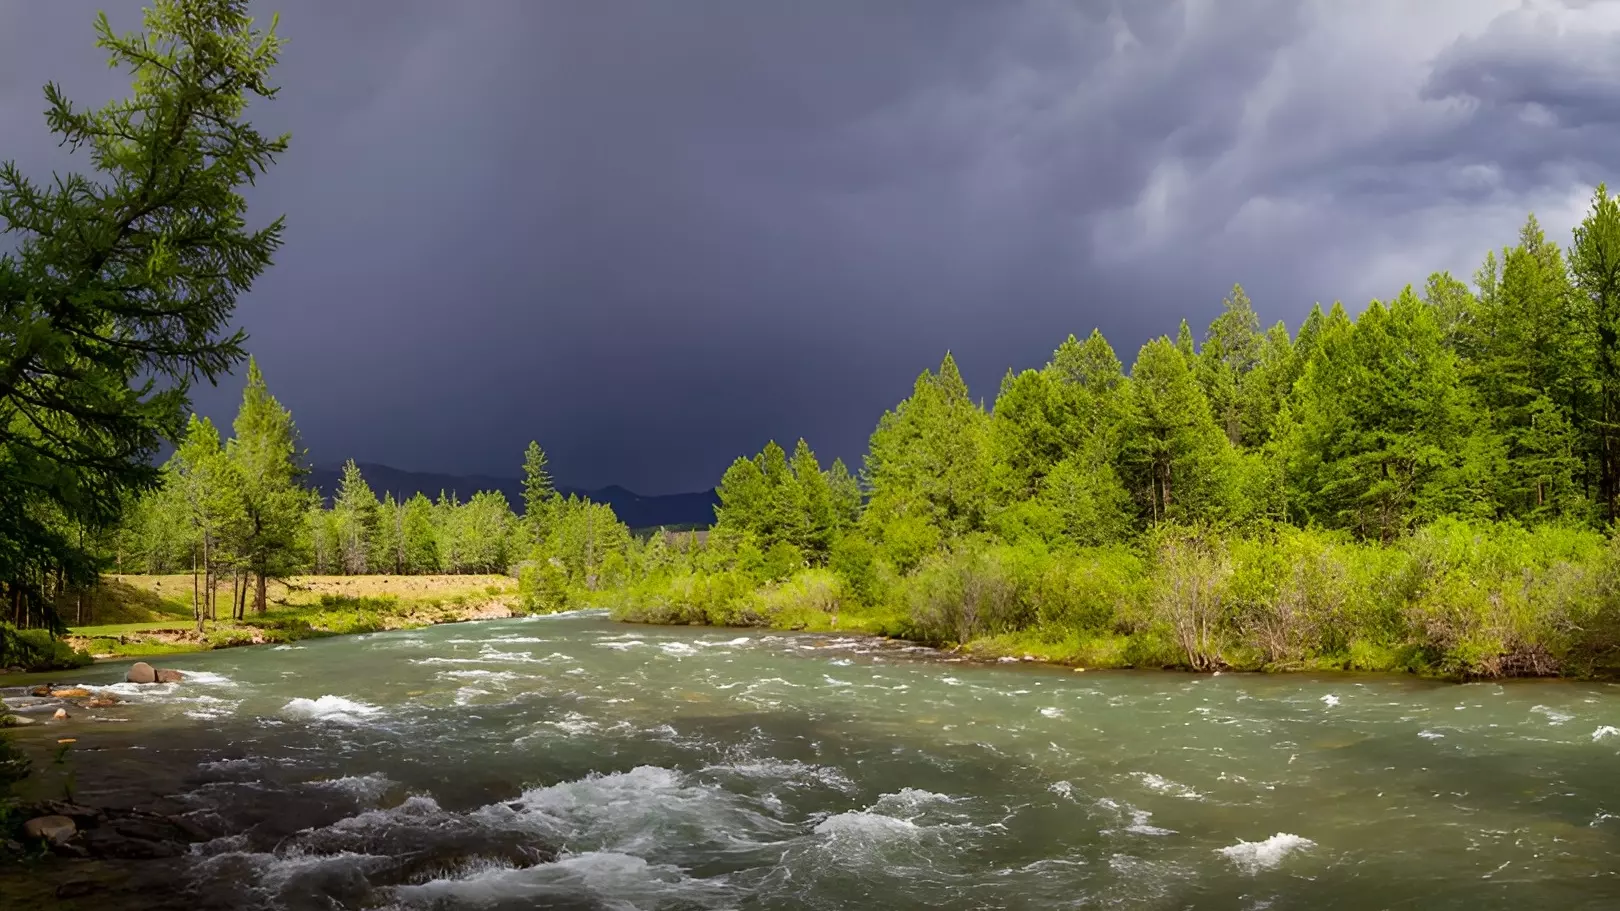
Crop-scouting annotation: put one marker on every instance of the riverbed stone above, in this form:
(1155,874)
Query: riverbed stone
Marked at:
(169,675)
(72,692)
(54,829)
(14,721)
(40,691)
(141,672)
(61,715)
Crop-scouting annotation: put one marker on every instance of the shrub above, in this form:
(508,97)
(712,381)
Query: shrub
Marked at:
(38,650)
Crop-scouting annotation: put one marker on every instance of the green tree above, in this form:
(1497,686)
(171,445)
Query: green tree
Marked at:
(486,529)
(538,491)
(1383,437)
(928,461)
(1176,460)
(270,463)
(421,545)
(744,497)
(846,495)
(1232,350)
(1595,264)
(388,544)
(1524,344)
(211,490)
(355,512)
(120,286)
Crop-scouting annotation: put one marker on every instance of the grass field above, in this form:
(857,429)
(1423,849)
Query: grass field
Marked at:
(152,615)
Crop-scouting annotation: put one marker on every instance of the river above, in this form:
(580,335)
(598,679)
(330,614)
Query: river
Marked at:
(570,762)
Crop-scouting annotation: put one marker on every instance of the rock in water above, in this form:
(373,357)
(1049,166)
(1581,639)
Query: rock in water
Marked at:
(75,692)
(141,672)
(166,675)
(54,829)
(61,715)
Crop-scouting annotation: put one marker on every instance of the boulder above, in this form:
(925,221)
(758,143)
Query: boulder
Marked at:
(54,829)
(14,721)
(61,715)
(82,816)
(40,691)
(141,672)
(102,701)
(168,675)
(72,692)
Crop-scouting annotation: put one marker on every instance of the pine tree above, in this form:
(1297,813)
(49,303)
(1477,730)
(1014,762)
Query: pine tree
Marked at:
(388,544)
(744,497)
(538,492)
(846,494)
(1595,263)
(421,546)
(821,519)
(1232,350)
(1523,346)
(1176,459)
(211,491)
(928,461)
(270,463)
(1384,436)
(117,288)
(355,510)
(486,530)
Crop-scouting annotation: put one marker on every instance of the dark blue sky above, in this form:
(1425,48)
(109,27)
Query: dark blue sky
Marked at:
(653,235)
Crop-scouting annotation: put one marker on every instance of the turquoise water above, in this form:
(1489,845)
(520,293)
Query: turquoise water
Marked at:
(570,762)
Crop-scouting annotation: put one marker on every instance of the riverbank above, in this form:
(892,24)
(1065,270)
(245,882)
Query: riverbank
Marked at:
(143,616)
(1453,600)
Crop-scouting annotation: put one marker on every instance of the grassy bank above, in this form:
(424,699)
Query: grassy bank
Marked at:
(1453,600)
(155,618)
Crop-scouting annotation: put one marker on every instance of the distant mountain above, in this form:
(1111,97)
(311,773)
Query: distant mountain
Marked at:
(633,509)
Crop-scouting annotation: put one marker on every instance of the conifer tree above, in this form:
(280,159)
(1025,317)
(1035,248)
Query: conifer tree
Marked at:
(355,510)
(270,464)
(928,461)
(1595,264)
(538,492)
(845,491)
(421,545)
(1232,350)
(209,488)
(821,518)
(1177,460)
(118,286)
(1384,433)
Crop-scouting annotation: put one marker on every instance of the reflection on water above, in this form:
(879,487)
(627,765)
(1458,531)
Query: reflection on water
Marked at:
(570,762)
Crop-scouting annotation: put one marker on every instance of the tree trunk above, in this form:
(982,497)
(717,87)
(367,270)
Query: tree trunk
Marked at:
(196,605)
(259,593)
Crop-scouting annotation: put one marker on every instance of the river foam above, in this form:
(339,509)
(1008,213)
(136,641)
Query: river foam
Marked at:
(337,709)
(1255,856)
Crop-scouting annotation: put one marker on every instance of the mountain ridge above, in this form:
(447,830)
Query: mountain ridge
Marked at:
(635,510)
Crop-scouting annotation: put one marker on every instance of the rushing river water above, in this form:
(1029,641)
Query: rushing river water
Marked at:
(569,762)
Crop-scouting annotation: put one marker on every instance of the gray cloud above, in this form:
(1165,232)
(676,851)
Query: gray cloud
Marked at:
(653,235)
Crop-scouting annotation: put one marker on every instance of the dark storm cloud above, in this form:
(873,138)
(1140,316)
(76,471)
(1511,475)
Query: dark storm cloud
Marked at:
(653,235)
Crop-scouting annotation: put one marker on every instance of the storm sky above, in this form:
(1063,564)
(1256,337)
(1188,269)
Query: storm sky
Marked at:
(653,234)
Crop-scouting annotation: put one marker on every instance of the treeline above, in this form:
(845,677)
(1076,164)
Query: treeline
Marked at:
(1428,485)
(238,509)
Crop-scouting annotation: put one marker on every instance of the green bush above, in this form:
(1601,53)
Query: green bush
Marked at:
(38,650)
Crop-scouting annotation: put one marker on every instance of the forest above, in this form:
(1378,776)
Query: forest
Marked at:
(1430,485)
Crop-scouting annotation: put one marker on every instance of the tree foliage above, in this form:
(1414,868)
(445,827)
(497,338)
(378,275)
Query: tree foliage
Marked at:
(122,281)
